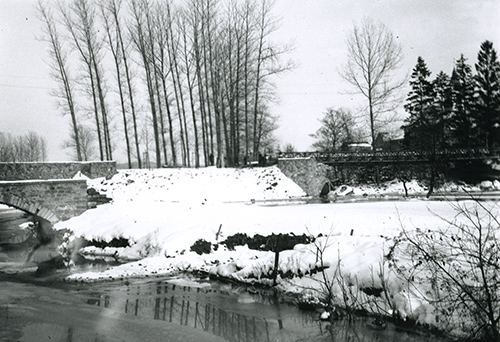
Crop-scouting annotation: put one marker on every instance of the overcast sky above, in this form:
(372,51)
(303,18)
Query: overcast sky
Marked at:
(437,30)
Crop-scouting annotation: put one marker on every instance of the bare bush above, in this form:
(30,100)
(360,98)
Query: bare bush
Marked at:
(456,269)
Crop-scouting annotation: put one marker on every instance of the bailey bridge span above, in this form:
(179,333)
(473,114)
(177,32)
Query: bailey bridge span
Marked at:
(313,170)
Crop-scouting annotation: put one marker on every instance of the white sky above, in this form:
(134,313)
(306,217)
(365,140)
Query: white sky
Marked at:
(437,30)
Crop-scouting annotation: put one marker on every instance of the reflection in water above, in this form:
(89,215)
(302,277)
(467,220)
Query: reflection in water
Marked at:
(219,312)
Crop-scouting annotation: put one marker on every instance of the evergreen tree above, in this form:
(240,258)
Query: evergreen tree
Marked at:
(462,121)
(443,105)
(419,104)
(487,93)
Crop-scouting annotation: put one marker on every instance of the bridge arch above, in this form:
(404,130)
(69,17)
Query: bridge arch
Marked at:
(30,207)
(51,200)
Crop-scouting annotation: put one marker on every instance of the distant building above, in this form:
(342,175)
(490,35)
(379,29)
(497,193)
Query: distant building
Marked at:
(383,143)
(362,146)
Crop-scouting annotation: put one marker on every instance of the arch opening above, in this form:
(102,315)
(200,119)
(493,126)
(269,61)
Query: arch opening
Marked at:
(30,207)
(327,187)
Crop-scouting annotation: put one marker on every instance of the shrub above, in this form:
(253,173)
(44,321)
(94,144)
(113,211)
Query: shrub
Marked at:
(115,242)
(201,247)
(238,239)
(273,242)
(460,265)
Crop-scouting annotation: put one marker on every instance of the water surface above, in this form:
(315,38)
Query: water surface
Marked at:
(40,306)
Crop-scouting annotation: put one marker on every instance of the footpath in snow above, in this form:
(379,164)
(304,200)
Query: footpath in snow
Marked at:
(163,212)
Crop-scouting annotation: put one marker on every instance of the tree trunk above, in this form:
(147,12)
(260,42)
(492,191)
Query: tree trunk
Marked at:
(119,80)
(207,93)
(256,98)
(100,93)
(97,122)
(174,70)
(202,99)
(129,83)
(191,101)
(122,104)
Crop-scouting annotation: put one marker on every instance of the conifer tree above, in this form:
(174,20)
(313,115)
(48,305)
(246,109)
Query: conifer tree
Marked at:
(443,105)
(419,104)
(487,93)
(462,121)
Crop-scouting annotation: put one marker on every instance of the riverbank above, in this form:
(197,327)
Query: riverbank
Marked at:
(162,213)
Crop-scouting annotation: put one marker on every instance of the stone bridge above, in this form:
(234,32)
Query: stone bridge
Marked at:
(48,190)
(52,200)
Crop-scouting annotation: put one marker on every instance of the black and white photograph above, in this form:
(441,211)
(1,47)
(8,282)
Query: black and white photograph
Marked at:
(249,170)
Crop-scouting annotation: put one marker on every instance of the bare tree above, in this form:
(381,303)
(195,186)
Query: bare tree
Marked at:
(139,32)
(174,50)
(263,31)
(188,56)
(155,33)
(23,148)
(206,23)
(114,47)
(6,147)
(164,70)
(61,73)
(246,14)
(87,140)
(267,64)
(79,19)
(35,146)
(114,8)
(337,127)
(373,56)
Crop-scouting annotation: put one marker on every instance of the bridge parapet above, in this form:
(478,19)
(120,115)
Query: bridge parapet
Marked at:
(55,170)
(52,200)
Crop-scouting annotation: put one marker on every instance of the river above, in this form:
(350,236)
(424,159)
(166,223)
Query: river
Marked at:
(38,305)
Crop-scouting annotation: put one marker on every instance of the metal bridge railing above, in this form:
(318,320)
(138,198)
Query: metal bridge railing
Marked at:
(386,156)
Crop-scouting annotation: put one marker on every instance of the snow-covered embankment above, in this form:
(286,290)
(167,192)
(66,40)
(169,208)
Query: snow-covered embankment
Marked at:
(163,212)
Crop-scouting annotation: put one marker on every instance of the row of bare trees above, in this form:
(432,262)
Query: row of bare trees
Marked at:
(23,148)
(190,81)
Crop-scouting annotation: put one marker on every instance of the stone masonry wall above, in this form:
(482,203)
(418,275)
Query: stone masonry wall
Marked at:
(55,170)
(52,200)
(310,175)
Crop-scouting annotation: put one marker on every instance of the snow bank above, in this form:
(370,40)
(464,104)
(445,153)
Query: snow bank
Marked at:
(198,185)
(173,227)
(396,188)
(163,212)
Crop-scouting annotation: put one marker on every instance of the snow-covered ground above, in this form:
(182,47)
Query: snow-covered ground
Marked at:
(414,188)
(198,186)
(163,212)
